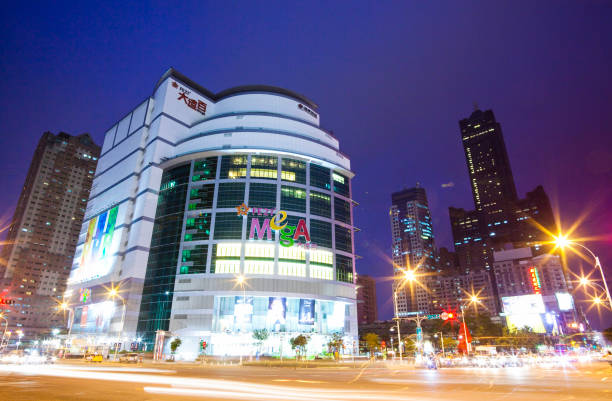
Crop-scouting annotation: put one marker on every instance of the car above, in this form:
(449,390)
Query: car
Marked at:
(94,357)
(128,358)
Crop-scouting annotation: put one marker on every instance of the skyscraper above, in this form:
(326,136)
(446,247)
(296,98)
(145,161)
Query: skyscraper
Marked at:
(499,217)
(45,228)
(367,310)
(413,244)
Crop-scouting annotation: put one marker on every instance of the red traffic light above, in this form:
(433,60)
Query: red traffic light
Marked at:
(383,344)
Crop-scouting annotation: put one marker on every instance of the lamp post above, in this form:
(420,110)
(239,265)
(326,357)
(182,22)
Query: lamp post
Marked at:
(5,328)
(563,242)
(114,293)
(64,306)
(473,299)
(408,276)
(441,342)
(19,334)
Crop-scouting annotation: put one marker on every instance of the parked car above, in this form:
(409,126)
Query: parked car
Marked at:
(128,358)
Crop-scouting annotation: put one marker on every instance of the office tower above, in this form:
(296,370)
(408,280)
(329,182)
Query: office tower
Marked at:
(449,291)
(367,311)
(221,214)
(412,244)
(499,218)
(44,230)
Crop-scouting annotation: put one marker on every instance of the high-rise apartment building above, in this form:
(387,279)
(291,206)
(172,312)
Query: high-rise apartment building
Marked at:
(367,310)
(44,231)
(450,291)
(413,244)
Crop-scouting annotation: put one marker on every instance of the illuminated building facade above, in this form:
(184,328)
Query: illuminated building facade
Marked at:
(218,214)
(413,245)
(43,233)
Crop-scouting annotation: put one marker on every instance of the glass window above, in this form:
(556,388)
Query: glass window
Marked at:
(205,169)
(320,204)
(202,197)
(321,233)
(342,210)
(231,194)
(344,268)
(194,260)
(265,167)
(293,198)
(341,185)
(319,176)
(294,171)
(197,227)
(228,226)
(262,195)
(344,239)
(233,166)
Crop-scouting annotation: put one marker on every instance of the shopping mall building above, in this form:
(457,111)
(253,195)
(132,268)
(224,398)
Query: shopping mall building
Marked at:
(215,215)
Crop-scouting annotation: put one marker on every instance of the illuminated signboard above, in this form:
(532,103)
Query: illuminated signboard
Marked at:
(194,104)
(289,235)
(565,301)
(525,310)
(84,294)
(535,280)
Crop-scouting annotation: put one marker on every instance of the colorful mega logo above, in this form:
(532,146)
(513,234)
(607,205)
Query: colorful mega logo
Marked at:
(289,235)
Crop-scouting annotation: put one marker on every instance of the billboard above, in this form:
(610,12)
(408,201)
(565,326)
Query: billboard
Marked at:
(565,301)
(525,311)
(243,313)
(93,318)
(307,311)
(277,311)
(96,256)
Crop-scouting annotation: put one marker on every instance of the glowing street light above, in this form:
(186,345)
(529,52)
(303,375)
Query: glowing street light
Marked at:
(562,242)
(113,293)
(408,276)
(472,300)
(5,328)
(64,307)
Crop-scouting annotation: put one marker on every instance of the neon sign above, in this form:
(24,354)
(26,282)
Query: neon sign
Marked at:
(289,235)
(84,294)
(535,280)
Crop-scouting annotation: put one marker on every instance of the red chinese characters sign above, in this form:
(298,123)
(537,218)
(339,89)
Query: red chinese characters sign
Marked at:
(535,280)
(194,104)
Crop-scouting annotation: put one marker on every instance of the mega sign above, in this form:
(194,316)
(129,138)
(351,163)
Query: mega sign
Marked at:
(289,235)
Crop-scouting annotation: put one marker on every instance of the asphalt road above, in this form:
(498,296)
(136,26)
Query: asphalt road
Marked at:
(78,381)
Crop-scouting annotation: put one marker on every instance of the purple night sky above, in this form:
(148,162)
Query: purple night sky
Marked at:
(392,79)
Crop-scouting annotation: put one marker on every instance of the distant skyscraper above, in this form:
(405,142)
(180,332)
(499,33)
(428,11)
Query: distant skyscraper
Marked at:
(36,262)
(367,311)
(488,164)
(413,242)
(499,217)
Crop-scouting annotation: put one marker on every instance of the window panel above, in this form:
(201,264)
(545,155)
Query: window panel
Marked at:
(264,167)
(201,197)
(293,199)
(233,166)
(262,195)
(341,185)
(293,170)
(228,226)
(320,204)
(320,177)
(344,268)
(344,239)
(231,194)
(205,169)
(342,210)
(321,233)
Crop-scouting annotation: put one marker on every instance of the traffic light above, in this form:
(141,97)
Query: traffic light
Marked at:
(202,345)
(383,344)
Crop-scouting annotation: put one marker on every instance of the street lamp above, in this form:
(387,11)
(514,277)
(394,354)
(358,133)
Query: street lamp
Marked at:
(114,293)
(64,307)
(408,276)
(19,334)
(5,328)
(441,341)
(562,241)
(473,299)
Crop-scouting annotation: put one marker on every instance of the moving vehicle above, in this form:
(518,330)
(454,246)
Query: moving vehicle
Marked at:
(94,357)
(128,358)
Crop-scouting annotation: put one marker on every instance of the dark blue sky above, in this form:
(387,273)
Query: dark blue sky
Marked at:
(392,79)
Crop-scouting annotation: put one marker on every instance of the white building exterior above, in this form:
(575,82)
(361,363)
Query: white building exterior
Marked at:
(159,224)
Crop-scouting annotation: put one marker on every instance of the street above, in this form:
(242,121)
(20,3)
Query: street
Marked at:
(79,381)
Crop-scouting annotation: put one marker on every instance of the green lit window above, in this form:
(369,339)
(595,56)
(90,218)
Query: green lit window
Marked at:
(262,195)
(198,227)
(321,233)
(202,197)
(341,185)
(320,204)
(194,259)
(319,177)
(205,169)
(228,226)
(293,198)
(342,210)
(231,194)
(344,268)
(233,166)
(344,239)
(293,171)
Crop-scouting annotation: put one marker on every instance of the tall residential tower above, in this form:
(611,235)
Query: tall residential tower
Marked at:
(43,234)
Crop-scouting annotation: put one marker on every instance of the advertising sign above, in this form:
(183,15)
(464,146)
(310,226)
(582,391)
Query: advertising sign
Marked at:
(525,311)
(307,311)
(277,310)
(243,312)
(95,259)
(565,301)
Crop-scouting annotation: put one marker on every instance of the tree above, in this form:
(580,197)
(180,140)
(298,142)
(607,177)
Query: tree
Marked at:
(335,344)
(260,336)
(299,343)
(607,333)
(372,340)
(449,343)
(174,346)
